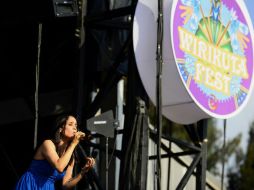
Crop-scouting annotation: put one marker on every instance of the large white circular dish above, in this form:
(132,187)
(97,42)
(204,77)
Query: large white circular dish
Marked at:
(188,94)
(177,104)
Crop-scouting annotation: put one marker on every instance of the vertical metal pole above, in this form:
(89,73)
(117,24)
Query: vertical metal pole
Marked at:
(201,167)
(223,155)
(120,118)
(37,71)
(106,163)
(158,91)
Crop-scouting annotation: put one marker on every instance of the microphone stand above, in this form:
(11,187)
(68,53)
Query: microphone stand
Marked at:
(91,174)
(104,125)
(107,164)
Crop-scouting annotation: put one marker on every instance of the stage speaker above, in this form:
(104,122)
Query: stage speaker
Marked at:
(65,8)
(103,124)
(207,57)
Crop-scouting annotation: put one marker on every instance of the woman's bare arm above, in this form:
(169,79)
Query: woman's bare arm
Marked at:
(69,181)
(48,151)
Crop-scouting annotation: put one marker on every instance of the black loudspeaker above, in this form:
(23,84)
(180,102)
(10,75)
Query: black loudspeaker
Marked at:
(103,124)
(65,8)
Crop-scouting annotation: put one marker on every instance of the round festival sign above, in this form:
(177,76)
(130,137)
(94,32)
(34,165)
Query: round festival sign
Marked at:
(212,43)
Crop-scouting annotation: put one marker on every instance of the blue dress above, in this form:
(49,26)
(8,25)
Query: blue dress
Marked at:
(39,176)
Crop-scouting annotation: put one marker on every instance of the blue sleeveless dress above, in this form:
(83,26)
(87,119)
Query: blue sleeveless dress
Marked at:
(39,176)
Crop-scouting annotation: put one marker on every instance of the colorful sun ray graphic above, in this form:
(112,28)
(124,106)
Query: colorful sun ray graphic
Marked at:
(222,34)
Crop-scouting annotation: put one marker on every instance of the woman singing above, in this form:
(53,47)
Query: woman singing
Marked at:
(54,159)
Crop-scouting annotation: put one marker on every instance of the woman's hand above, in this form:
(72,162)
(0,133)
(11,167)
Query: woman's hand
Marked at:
(90,162)
(78,136)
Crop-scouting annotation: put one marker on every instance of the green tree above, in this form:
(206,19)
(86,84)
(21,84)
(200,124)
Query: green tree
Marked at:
(244,172)
(247,169)
(216,153)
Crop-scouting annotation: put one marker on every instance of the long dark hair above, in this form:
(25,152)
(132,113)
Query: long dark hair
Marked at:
(60,122)
(56,135)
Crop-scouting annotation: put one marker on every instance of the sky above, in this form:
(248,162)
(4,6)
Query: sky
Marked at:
(241,122)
